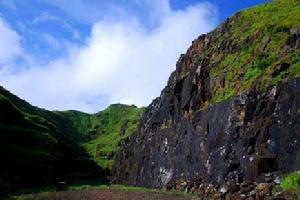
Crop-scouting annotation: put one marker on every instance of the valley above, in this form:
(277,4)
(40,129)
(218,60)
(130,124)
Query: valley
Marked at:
(226,126)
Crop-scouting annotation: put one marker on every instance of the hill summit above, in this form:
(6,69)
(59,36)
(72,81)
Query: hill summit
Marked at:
(41,147)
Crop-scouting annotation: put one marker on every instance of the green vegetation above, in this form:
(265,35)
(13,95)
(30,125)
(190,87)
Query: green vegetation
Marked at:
(100,134)
(44,191)
(223,94)
(291,181)
(39,146)
(263,36)
(295,68)
(251,72)
(108,128)
(28,145)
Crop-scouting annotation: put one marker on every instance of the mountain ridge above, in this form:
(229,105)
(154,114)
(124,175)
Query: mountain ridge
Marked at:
(227,118)
(42,147)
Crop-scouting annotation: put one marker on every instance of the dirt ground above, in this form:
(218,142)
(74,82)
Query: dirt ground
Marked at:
(97,194)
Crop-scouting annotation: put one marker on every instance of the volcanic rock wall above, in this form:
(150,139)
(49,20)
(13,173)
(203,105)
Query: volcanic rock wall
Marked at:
(188,132)
(239,139)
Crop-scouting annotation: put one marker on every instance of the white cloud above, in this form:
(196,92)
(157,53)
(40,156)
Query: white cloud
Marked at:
(10,43)
(120,62)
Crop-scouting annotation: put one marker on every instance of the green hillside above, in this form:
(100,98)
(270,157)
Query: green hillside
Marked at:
(254,49)
(108,128)
(100,133)
(264,49)
(28,146)
(32,147)
(43,146)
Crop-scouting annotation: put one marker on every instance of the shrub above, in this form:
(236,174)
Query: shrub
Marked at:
(262,61)
(291,181)
(224,94)
(251,72)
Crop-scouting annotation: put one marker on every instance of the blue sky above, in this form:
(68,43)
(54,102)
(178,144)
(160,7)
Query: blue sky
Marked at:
(87,54)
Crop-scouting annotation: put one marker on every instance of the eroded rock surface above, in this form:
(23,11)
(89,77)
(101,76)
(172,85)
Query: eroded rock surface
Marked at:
(238,139)
(217,123)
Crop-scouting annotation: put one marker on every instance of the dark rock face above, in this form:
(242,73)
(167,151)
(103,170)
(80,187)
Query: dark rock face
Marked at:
(185,134)
(238,139)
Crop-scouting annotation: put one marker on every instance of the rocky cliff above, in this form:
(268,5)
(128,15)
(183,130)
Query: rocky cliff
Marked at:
(230,110)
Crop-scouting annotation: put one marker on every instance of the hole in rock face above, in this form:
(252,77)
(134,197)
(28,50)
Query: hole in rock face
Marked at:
(266,165)
(166,150)
(233,166)
(207,129)
(252,141)
(186,108)
(178,88)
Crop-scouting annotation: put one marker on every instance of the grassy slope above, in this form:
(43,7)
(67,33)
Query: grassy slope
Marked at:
(39,136)
(253,65)
(40,145)
(108,128)
(28,144)
(100,133)
(291,181)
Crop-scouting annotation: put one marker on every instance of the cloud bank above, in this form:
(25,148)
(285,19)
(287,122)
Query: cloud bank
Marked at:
(121,61)
(10,43)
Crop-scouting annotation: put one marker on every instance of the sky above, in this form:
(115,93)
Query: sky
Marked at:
(88,54)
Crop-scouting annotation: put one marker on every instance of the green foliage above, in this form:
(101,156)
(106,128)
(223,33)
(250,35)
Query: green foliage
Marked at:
(251,72)
(223,94)
(262,61)
(295,68)
(100,133)
(40,139)
(39,146)
(108,128)
(43,192)
(261,33)
(291,181)
(76,124)
(277,16)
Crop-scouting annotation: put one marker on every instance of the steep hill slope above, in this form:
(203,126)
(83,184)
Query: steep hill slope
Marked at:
(99,134)
(39,146)
(34,148)
(110,126)
(230,111)
(26,146)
